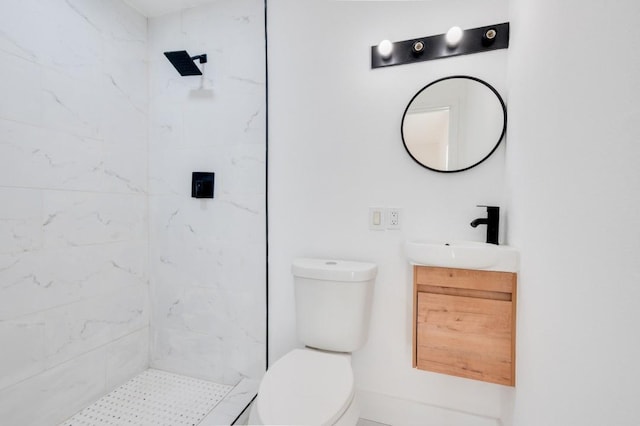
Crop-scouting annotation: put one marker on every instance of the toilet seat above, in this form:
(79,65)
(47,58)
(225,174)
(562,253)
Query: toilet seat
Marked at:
(306,386)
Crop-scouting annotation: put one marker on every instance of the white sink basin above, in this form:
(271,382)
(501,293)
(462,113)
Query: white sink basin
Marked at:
(463,255)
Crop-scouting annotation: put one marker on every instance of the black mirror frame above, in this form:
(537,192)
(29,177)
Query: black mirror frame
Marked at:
(504,126)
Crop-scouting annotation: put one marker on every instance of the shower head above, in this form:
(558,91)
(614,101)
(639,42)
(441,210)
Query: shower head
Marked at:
(184,63)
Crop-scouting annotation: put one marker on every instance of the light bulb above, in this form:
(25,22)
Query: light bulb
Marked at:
(385,48)
(454,35)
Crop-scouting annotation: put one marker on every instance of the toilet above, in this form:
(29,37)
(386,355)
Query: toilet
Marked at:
(314,385)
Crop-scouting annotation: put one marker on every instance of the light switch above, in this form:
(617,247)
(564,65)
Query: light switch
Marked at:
(376,218)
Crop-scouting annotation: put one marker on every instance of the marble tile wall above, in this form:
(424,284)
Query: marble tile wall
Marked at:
(207,257)
(74,308)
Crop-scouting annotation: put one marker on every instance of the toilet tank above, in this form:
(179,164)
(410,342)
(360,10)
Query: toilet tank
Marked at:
(333,302)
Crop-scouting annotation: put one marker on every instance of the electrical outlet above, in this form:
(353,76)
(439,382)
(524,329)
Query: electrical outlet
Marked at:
(376,218)
(394,218)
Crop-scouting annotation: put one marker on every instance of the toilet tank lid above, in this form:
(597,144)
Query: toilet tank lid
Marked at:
(334,270)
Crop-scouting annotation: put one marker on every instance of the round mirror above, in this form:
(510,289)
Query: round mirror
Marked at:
(453,124)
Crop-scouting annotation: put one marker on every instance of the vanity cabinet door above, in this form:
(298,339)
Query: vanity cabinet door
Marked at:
(465,336)
(464,323)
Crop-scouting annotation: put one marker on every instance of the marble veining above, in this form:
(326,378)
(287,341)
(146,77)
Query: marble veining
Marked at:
(98,139)
(12,47)
(74,272)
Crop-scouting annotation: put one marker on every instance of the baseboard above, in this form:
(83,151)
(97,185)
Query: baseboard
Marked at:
(396,411)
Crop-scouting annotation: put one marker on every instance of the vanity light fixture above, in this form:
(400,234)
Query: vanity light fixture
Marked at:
(454,43)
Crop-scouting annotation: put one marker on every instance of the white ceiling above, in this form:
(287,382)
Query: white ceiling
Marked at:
(152,8)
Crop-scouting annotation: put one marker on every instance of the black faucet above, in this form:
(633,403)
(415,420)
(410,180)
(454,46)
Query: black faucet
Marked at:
(492,221)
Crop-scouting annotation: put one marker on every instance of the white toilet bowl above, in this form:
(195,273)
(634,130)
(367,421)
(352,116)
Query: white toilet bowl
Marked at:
(307,387)
(315,386)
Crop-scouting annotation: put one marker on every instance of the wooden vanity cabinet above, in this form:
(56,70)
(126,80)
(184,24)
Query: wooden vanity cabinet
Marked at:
(464,323)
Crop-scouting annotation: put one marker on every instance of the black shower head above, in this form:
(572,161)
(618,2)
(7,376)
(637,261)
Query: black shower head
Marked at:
(184,63)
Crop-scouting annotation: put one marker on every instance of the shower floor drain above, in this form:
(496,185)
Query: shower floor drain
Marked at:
(153,398)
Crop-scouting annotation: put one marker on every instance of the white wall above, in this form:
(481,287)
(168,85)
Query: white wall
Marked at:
(73,210)
(574,210)
(335,149)
(207,257)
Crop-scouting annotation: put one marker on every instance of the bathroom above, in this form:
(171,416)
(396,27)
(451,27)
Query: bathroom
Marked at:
(122,229)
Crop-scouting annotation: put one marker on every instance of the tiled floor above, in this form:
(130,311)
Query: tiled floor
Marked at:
(158,398)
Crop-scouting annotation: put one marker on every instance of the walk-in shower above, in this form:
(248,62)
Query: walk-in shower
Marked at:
(112,276)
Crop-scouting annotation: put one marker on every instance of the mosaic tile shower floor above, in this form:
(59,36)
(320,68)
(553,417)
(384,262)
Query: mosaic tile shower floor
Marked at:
(153,398)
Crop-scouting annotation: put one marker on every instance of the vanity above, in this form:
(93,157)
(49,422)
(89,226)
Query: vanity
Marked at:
(464,309)
(464,293)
